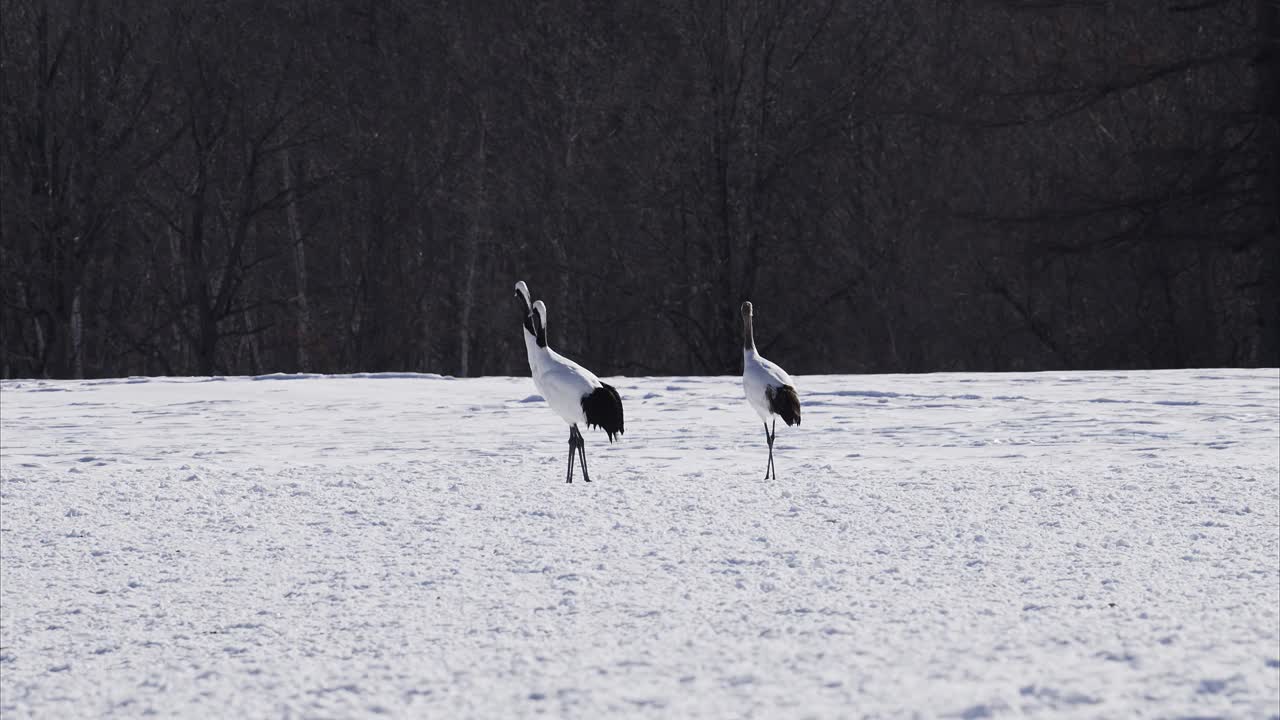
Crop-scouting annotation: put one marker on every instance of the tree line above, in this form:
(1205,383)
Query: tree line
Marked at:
(236,187)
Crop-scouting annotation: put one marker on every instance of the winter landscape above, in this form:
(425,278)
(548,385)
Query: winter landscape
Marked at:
(1083,544)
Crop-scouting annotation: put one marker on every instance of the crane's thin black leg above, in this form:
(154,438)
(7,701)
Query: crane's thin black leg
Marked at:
(582,451)
(572,448)
(768,439)
(773,436)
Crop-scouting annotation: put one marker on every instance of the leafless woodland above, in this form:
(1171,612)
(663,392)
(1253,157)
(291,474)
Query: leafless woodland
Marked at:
(234,187)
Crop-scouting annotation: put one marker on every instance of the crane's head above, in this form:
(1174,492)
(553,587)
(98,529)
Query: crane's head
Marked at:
(746,309)
(526,312)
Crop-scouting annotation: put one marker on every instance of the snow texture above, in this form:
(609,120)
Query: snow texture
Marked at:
(964,546)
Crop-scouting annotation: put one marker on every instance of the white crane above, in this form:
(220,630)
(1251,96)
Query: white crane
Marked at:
(572,391)
(769,389)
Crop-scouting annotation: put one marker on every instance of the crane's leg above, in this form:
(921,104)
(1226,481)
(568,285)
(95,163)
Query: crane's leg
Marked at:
(573,447)
(768,439)
(582,451)
(773,436)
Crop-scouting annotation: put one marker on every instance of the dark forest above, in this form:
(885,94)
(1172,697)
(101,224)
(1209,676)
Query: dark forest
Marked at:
(234,187)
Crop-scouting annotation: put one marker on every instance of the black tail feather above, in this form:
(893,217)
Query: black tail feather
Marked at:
(784,403)
(603,408)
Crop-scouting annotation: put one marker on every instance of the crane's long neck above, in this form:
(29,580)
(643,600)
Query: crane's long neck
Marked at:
(531,349)
(748,340)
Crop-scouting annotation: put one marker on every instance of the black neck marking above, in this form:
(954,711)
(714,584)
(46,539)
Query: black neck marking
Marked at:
(526,313)
(539,330)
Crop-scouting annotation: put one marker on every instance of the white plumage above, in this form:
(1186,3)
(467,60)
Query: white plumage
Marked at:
(561,382)
(760,378)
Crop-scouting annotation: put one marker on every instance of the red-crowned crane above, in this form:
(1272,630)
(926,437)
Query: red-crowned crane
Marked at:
(572,391)
(769,389)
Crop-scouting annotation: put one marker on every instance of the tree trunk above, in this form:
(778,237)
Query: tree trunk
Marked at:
(472,254)
(77,335)
(206,330)
(303,315)
(1268,331)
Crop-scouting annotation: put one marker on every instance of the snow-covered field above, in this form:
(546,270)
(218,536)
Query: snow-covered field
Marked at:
(1056,545)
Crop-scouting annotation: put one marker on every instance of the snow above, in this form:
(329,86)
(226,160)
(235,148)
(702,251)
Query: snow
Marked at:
(1056,544)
